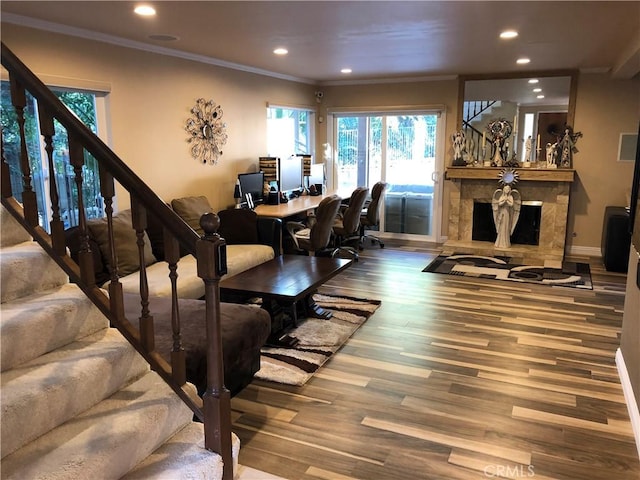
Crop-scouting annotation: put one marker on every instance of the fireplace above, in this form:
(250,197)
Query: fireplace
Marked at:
(527,231)
(547,190)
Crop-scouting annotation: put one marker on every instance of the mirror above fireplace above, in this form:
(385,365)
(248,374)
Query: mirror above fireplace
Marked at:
(537,104)
(558,88)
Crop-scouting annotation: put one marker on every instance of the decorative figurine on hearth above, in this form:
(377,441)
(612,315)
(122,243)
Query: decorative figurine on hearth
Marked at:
(469,155)
(458,140)
(499,130)
(551,155)
(527,149)
(506,203)
(567,147)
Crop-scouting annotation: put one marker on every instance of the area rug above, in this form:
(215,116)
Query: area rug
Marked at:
(317,340)
(572,274)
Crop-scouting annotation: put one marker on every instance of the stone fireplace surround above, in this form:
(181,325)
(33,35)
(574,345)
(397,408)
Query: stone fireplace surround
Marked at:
(550,186)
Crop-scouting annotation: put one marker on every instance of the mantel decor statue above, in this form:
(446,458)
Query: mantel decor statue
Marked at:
(560,153)
(506,203)
(207,132)
(459,149)
(499,130)
(567,146)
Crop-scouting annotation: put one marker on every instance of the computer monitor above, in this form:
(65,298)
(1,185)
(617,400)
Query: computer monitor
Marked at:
(290,174)
(252,183)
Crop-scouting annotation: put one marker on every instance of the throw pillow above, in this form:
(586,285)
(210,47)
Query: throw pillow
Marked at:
(239,226)
(125,243)
(191,209)
(155,232)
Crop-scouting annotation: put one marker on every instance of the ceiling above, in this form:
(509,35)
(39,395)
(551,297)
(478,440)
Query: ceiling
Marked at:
(378,40)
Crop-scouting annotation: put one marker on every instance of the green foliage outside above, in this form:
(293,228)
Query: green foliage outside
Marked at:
(82,104)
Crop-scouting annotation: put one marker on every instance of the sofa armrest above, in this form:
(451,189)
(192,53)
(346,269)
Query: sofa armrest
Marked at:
(270,233)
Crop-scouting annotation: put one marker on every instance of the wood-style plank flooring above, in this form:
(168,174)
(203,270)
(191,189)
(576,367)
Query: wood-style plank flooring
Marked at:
(453,378)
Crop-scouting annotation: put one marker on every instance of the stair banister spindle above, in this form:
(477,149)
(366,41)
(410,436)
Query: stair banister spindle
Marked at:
(76,159)
(57,226)
(107,190)
(139,224)
(7,190)
(172,257)
(29,202)
(211,259)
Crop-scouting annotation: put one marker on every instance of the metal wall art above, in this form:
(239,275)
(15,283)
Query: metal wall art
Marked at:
(207,131)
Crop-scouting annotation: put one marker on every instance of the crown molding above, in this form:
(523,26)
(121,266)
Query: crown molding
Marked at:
(30,22)
(375,81)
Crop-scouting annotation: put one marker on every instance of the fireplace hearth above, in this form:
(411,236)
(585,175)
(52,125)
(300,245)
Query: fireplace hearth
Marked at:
(527,231)
(471,186)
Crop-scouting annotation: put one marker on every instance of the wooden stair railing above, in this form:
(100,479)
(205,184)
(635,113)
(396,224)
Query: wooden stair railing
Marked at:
(471,111)
(214,408)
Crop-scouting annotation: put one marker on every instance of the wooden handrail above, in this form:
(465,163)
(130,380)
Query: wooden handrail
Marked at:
(215,410)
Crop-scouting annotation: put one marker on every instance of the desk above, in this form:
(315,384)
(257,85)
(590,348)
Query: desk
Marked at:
(293,207)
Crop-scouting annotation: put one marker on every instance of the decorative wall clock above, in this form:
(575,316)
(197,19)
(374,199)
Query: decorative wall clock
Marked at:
(207,131)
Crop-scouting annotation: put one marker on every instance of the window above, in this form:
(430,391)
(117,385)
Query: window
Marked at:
(290,131)
(84,105)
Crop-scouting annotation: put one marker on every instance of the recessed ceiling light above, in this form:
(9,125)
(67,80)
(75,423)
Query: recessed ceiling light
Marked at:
(281,51)
(533,80)
(346,70)
(536,90)
(145,10)
(509,34)
(522,61)
(540,96)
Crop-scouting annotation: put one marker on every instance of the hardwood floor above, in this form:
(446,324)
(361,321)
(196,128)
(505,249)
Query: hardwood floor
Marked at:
(453,379)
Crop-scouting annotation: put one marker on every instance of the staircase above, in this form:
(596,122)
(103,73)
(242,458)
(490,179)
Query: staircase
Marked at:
(77,400)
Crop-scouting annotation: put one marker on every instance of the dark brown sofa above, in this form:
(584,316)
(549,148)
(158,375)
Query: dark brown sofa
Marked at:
(245,328)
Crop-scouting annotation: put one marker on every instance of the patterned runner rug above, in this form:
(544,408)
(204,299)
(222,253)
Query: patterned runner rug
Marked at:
(572,274)
(318,340)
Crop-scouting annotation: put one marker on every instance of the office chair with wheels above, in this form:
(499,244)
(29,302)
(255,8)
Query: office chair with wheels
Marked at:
(346,228)
(316,236)
(370,216)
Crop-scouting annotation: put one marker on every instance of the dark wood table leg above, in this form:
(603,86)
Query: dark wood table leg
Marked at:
(312,309)
(278,336)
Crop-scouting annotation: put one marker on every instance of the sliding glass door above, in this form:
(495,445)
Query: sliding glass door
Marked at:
(400,149)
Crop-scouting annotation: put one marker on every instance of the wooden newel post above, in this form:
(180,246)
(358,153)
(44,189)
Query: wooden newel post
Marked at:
(212,264)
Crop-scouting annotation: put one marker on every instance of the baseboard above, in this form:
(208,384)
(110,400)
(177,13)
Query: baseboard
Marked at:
(585,251)
(627,390)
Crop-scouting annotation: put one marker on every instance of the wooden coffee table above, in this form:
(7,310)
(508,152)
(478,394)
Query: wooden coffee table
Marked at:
(286,285)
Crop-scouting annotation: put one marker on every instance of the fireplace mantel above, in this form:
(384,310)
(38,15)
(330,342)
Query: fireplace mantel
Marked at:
(491,173)
(552,187)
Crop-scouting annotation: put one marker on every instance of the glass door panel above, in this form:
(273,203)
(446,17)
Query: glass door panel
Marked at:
(397,149)
(409,173)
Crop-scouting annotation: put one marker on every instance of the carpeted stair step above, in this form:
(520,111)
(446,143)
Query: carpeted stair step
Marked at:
(25,269)
(12,232)
(34,325)
(57,386)
(184,457)
(106,441)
